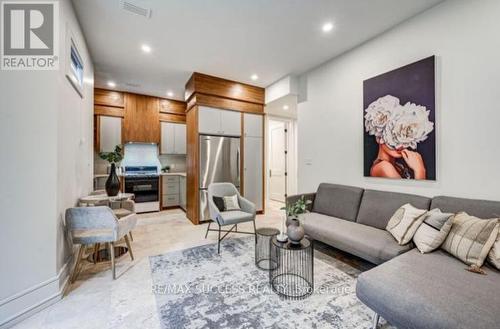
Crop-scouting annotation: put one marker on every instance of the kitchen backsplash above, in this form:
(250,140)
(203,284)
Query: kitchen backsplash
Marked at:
(177,163)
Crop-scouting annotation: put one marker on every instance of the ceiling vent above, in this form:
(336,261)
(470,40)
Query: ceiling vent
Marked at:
(136,9)
(132,84)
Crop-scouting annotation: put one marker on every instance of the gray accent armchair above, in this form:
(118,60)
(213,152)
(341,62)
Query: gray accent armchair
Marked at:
(96,225)
(233,217)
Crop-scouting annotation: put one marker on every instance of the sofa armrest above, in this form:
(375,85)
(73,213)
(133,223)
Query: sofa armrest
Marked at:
(307,196)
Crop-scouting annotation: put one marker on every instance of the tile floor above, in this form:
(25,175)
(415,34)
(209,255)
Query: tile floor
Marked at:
(96,301)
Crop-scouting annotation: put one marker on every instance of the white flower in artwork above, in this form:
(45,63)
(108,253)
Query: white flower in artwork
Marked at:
(379,113)
(396,125)
(409,127)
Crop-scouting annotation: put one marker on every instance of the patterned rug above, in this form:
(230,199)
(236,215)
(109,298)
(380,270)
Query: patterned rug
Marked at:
(197,288)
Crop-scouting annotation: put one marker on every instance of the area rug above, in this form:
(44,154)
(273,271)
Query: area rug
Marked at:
(197,288)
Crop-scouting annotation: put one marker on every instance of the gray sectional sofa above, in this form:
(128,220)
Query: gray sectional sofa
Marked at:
(408,289)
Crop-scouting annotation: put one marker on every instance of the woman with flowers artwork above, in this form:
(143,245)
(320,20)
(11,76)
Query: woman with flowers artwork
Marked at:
(398,122)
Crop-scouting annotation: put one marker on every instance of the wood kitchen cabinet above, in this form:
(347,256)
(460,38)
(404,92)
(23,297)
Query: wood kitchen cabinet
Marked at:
(253,185)
(173,138)
(141,121)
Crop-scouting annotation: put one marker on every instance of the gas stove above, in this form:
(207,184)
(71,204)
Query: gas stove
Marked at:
(141,172)
(143,182)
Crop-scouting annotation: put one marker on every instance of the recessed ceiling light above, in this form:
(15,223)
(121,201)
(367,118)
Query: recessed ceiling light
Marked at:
(327,27)
(285,107)
(170,93)
(146,48)
(254,77)
(111,84)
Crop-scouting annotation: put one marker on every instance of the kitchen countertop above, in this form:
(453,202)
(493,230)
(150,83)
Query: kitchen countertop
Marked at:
(173,174)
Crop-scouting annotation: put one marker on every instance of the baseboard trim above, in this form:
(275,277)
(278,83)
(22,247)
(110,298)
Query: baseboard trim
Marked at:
(24,304)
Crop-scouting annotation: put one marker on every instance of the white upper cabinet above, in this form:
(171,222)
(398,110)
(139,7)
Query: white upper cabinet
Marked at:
(231,123)
(252,124)
(173,138)
(110,133)
(180,139)
(213,121)
(209,121)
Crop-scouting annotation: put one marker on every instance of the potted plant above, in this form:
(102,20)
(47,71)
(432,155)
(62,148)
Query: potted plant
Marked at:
(112,183)
(295,231)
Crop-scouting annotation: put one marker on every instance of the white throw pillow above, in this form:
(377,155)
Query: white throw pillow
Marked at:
(231,203)
(433,231)
(405,222)
(471,238)
(494,255)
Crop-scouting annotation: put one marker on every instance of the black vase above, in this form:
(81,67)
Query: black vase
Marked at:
(112,183)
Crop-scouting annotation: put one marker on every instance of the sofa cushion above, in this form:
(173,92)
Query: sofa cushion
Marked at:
(405,222)
(372,244)
(494,255)
(338,201)
(478,208)
(377,207)
(432,290)
(471,238)
(433,231)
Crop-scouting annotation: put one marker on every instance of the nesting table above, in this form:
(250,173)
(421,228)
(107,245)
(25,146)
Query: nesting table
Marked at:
(293,275)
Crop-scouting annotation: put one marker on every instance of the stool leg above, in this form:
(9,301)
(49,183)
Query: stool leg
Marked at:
(96,252)
(131,237)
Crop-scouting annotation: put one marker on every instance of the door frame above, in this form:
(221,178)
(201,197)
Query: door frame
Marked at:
(291,159)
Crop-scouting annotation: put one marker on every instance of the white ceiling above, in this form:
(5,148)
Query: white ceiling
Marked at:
(228,38)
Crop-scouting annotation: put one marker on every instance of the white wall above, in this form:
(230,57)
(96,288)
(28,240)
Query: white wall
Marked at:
(464,37)
(46,156)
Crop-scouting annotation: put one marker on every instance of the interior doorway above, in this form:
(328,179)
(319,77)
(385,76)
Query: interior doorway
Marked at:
(278,152)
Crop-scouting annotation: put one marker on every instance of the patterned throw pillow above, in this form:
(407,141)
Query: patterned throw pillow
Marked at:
(405,222)
(494,255)
(433,231)
(471,238)
(231,203)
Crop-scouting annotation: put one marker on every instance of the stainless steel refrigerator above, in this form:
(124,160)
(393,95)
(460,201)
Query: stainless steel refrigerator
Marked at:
(219,163)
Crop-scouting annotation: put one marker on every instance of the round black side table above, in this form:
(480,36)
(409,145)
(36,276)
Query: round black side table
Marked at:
(262,248)
(293,278)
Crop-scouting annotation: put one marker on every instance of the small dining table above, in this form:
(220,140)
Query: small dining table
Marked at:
(91,200)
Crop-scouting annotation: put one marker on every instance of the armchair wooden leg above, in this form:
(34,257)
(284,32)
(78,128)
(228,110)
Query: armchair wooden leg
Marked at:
(131,237)
(208,228)
(218,245)
(129,246)
(96,252)
(112,254)
(236,227)
(375,320)
(76,270)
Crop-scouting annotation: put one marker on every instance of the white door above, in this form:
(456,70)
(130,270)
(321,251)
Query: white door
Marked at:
(253,184)
(167,138)
(209,121)
(230,123)
(180,138)
(110,132)
(252,124)
(277,161)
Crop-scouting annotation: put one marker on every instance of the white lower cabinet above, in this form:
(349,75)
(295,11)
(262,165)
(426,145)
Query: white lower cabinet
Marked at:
(173,191)
(253,187)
